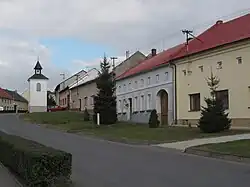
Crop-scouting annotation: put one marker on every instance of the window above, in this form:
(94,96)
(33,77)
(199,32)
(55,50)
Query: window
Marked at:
(149,80)
(119,106)
(135,104)
(223,96)
(184,72)
(120,89)
(142,83)
(149,102)
(85,101)
(195,102)
(92,100)
(157,78)
(142,103)
(166,76)
(219,65)
(239,60)
(124,87)
(136,84)
(38,87)
(201,68)
(129,86)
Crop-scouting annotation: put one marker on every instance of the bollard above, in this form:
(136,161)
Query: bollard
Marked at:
(98,119)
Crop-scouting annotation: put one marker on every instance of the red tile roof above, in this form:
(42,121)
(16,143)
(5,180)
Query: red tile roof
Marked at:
(218,35)
(153,62)
(4,94)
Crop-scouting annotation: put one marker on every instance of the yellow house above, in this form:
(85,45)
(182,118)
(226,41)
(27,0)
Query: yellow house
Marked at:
(223,49)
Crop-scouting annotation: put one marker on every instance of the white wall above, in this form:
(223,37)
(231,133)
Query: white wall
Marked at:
(38,98)
(164,83)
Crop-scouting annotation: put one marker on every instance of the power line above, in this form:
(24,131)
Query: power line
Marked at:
(194,27)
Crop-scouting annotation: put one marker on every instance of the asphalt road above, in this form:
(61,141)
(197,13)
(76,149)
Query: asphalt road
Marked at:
(98,163)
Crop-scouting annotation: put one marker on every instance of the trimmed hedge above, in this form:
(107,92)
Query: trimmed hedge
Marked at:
(34,163)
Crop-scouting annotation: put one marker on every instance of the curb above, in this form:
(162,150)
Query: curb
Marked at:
(217,155)
(11,175)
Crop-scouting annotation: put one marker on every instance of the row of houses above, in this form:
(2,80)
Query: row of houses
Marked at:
(11,100)
(78,91)
(174,81)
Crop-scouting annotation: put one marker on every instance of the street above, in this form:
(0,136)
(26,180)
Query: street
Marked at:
(99,163)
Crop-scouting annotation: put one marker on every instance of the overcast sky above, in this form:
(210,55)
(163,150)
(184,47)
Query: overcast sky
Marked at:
(69,35)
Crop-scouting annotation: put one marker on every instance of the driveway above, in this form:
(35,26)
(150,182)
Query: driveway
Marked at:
(98,163)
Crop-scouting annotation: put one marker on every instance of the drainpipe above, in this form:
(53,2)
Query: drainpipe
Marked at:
(173,66)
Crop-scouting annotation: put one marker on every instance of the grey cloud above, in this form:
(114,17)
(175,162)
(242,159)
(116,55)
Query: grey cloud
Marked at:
(121,24)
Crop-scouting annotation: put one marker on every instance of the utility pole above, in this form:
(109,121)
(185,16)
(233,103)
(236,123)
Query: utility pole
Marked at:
(63,75)
(189,36)
(77,79)
(113,61)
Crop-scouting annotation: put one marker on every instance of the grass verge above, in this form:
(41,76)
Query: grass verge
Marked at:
(73,122)
(236,148)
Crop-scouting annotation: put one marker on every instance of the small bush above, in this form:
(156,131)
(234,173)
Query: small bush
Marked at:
(86,115)
(213,117)
(153,120)
(36,164)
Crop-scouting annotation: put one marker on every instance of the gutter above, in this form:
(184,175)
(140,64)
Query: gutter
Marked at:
(173,66)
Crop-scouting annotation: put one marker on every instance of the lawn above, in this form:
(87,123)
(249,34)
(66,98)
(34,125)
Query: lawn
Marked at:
(237,148)
(73,122)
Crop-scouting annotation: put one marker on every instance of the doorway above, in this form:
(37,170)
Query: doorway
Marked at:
(163,107)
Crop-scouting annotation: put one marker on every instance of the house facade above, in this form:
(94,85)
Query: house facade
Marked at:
(6,101)
(145,87)
(11,100)
(227,56)
(62,92)
(82,93)
(20,102)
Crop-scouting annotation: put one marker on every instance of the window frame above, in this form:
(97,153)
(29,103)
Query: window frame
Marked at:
(194,105)
(38,87)
(223,93)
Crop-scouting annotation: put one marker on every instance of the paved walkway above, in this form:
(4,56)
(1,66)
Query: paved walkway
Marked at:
(190,143)
(6,179)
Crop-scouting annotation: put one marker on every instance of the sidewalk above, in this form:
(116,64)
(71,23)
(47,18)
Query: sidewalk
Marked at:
(6,178)
(182,146)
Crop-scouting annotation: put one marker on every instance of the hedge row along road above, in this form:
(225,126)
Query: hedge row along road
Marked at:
(98,163)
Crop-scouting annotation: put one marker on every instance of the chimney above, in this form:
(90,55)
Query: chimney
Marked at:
(127,54)
(219,22)
(153,52)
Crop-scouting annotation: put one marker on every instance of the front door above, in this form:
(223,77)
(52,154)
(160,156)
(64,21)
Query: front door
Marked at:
(164,108)
(130,107)
(80,104)
(68,102)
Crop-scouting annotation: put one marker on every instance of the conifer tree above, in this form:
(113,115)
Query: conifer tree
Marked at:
(105,100)
(213,116)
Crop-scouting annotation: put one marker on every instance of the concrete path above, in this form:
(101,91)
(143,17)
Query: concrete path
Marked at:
(99,163)
(6,178)
(190,143)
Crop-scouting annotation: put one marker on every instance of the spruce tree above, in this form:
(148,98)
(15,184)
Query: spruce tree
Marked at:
(153,120)
(213,116)
(105,100)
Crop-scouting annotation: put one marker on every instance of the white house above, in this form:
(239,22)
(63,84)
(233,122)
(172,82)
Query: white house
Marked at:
(147,86)
(38,90)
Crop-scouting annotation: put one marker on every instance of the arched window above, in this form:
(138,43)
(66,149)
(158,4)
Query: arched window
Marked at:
(38,87)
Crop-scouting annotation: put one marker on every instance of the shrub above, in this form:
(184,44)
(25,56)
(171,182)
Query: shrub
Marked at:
(86,115)
(153,120)
(213,117)
(36,164)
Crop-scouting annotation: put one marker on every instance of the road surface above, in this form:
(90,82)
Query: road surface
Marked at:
(98,163)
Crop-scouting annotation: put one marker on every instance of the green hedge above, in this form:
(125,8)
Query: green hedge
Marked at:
(36,164)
